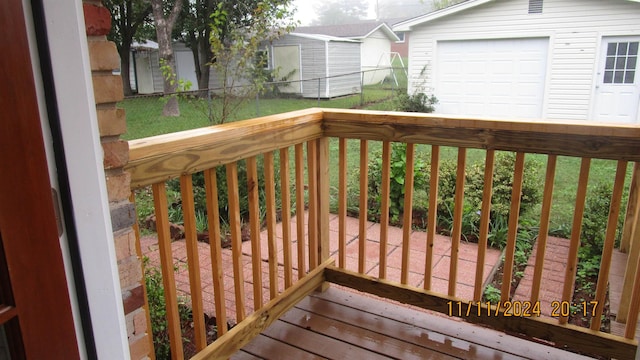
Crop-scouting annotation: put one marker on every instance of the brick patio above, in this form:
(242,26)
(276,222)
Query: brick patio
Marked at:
(441,260)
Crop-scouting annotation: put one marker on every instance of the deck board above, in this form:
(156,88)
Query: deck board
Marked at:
(268,348)
(341,324)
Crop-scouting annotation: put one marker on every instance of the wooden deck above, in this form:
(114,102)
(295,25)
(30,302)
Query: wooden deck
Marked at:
(342,324)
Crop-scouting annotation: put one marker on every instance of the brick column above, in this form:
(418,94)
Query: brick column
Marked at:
(111,122)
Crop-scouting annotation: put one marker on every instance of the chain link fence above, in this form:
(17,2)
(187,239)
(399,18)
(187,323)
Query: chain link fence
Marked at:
(218,105)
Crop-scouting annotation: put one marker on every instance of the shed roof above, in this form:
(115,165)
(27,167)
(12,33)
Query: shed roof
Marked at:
(355,31)
(322,37)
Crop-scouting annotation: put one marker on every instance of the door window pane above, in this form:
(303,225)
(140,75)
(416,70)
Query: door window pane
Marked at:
(630,77)
(620,63)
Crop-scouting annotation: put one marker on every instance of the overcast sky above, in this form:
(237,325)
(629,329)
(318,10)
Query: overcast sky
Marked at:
(306,11)
(388,8)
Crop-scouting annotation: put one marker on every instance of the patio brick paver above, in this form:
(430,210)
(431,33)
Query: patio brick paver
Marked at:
(441,258)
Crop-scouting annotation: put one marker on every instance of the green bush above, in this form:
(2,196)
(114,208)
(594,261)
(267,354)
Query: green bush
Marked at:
(158,311)
(223,193)
(397,177)
(474,186)
(418,102)
(594,224)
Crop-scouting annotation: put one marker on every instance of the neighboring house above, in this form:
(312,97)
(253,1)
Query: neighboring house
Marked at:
(401,47)
(555,59)
(319,65)
(145,73)
(376,38)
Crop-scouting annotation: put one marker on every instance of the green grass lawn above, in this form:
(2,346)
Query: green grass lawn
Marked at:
(144,114)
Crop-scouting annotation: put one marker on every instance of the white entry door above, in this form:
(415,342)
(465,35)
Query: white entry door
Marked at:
(618,85)
(286,59)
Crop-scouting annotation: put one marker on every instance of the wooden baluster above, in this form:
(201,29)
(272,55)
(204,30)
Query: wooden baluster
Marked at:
(609,243)
(253,188)
(634,305)
(313,204)
(342,203)
(512,233)
(364,196)
(236,238)
(543,234)
(574,245)
(322,173)
(432,216)
(485,218)
(458,211)
(166,266)
(285,189)
(270,190)
(630,236)
(300,213)
(407,218)
(631,216)
(136,229)
(384,208)
(215,247)
(191,240)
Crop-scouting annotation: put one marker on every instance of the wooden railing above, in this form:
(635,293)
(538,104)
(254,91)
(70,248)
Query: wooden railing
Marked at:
(155,160)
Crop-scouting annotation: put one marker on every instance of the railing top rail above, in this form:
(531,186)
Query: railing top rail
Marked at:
(166,156)
(570,138)
(162,157)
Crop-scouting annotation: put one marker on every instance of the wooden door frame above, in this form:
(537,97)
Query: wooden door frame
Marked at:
(27,216)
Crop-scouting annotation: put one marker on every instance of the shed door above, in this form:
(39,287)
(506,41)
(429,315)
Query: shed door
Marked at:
(186,68)
(502,78)
(618,85)
(286,59)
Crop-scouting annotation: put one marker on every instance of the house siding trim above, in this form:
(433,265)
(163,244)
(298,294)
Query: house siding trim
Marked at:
(573,57)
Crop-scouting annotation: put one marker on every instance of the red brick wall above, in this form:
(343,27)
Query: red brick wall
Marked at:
(104,59)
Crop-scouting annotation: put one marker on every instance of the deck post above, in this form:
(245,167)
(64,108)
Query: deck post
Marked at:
(322,153)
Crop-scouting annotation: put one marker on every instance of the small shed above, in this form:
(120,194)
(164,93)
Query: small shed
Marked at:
(144,70)
(144,67)
(532,59)
(376,38)
(320,65)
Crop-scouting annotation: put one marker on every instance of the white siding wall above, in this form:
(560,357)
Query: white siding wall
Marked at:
(344,58)
(375,53)
(575,29)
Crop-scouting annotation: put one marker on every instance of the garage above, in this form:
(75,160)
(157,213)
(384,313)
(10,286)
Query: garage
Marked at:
(497,78)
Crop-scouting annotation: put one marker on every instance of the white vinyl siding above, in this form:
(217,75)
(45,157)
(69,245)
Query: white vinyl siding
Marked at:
(574,29)
(344,68)
(375,53)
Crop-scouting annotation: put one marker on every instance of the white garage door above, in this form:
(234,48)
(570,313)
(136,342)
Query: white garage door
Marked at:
(501,78)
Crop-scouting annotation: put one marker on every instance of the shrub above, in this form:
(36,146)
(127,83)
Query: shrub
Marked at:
(474,186)
(397,177)
(158,311)
(418,102)
(223,193)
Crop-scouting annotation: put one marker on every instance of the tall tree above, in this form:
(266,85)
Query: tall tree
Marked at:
(128,20)
(165,16)
(194,26)
(336,12)
(239,32)
(194,30)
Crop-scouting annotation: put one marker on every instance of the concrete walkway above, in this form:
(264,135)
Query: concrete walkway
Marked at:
(441,260)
